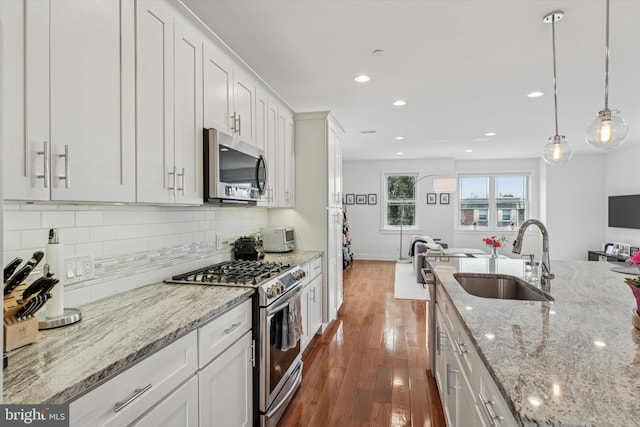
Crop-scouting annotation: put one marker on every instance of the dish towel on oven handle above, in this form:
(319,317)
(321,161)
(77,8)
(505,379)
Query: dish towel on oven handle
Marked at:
(291,322)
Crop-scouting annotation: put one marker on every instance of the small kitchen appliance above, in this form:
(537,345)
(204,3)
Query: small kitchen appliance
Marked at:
(278,370)
(278,239)
(248,248)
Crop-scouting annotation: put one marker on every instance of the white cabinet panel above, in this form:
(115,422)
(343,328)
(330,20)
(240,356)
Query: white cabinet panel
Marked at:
(77,95)
(225,387)
(218,88)
(179,409)
(244,90)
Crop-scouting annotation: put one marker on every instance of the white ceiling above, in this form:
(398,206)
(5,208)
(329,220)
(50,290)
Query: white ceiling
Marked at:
(464,68)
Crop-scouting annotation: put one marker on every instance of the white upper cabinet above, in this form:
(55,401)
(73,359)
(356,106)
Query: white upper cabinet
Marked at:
(169,106)
(69,104)
(229,95)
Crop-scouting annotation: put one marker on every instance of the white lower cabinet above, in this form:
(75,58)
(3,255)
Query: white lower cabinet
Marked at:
(225,387)
(180,408)
(126,397)
(203,379)
(311,300)
(470,397)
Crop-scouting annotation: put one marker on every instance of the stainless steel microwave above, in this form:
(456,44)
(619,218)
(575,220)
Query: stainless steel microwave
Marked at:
(234,171)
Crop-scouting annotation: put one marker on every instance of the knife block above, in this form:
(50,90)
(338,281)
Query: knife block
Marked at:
(17,333)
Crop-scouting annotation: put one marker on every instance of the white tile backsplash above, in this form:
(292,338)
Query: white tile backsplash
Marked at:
(132,245)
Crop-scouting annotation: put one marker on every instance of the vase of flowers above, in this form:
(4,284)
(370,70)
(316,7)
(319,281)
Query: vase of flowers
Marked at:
(494,243)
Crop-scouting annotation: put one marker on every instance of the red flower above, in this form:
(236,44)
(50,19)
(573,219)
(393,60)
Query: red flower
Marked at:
(635,259)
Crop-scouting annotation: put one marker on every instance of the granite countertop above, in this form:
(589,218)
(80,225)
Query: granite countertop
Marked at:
(574,362)
(114,333)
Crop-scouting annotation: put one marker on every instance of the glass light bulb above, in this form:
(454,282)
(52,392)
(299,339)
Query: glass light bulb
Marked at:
(607,132)
(557,151)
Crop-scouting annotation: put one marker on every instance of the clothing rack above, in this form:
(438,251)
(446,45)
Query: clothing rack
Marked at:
(347,255)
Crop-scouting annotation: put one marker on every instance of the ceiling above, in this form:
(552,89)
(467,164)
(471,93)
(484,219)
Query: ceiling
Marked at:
(464,68)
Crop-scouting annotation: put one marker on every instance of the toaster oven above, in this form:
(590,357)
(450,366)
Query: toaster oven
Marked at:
(278,239)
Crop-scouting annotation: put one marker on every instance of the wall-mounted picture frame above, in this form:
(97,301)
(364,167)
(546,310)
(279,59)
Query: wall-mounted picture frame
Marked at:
(361,199)
(349,199)
(372,199)
(432,198)
(444,198)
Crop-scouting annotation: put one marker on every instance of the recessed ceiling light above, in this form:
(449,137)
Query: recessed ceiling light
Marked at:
(490,134)
(399,138)
(362,78)
(535,94)
(468,151)
(399,153)
(378,52)
(399,103)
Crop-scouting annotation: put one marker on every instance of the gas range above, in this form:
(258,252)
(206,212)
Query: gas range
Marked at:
(271,279)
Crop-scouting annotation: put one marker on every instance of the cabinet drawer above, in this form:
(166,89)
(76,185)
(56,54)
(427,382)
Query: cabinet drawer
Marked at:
(124,398)
(491,405)
(180,408)
(315,267)
(221,332)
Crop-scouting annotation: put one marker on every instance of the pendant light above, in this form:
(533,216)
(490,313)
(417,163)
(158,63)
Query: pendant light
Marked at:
(557,151)
(607,131)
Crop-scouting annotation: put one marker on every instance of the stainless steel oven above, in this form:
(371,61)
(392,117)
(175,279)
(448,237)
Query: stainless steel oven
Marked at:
(278,371)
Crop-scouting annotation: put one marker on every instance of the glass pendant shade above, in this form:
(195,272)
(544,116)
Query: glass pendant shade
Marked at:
(557,151)
(607,131)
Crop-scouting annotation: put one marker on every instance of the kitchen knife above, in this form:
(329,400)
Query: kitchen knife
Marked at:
(34,288)
(21,314)
(35,259)
(50,283)
(11,267)
(40,300)
(17,278)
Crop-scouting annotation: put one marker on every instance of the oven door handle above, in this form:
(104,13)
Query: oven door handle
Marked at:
(293,389)
(279,307)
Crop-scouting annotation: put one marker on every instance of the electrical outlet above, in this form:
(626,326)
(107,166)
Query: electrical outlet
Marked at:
(80,268)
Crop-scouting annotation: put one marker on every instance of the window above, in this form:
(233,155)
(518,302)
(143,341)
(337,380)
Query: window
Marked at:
(400,201)
(493,201)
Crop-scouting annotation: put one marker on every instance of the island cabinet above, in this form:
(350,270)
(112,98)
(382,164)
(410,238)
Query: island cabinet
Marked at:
(69,100)
(202,379)
(169,105)
(468,393)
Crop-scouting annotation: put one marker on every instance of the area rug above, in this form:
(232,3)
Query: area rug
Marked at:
(406,286)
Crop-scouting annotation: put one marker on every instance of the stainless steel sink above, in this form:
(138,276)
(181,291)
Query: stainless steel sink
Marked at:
(500,286)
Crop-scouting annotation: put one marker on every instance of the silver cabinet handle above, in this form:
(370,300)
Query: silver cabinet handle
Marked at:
(239,124)
(46,176)
(487,411)
(182,175)
(173,175)
(234,121)
(253,353)
(67,167)
(449,371)
(460,348)
(232,328)
(314,294)
(136,394)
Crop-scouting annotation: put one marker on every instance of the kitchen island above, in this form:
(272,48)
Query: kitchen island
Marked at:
(114,334)
(572,362)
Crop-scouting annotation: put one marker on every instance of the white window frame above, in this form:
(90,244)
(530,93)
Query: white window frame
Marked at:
(385,202)
(492,202)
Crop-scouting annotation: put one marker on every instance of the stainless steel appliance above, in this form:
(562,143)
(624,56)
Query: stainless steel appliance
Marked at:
(278,239)
(234,172)
(278,372)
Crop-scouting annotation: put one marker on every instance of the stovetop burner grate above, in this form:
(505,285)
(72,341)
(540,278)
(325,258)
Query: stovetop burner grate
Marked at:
(234,272)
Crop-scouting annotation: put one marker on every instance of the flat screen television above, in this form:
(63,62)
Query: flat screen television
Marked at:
(624,211)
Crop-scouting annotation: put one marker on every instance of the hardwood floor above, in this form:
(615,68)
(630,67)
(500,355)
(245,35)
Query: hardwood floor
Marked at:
(370,368)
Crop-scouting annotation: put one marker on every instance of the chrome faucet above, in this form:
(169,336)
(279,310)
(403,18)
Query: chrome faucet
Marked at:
(517,247)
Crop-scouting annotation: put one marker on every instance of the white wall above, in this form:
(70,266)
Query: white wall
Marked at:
(369,241)
(622,178)
(576,206)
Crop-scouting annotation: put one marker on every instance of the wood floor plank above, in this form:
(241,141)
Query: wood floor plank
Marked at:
(370,367)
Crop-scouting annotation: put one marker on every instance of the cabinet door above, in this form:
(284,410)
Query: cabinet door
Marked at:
(154,86)
(179,408)
(305,309)
(25,102)
(315,306)
(244,90)
(331,166)
(261,137)
(92,77)
(225,387)
(188,113)
(272,152)
(218,88)
(288,160)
